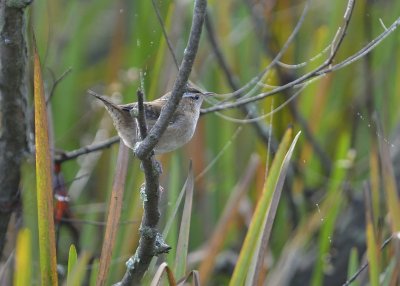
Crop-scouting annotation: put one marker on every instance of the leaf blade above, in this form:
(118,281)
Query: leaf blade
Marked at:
(248,247)
(44,186)
(265,233)
(183,239)
(23,258)
(72,259)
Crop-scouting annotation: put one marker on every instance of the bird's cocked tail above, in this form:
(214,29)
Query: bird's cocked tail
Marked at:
(124,123)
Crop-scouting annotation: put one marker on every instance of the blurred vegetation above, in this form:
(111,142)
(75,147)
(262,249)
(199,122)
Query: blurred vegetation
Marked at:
(324,219)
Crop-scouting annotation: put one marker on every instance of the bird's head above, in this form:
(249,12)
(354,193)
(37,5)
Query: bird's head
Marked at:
(194,97)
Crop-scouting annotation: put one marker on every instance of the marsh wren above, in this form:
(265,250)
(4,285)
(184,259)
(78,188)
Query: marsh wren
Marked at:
(180,129)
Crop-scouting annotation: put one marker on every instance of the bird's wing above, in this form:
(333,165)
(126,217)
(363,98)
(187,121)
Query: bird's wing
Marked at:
(128,107)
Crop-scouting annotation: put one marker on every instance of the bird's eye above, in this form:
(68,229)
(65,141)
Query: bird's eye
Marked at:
(196,97)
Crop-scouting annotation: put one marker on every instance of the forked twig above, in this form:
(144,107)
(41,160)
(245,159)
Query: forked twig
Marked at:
(146,146)
(321,70)
(151,242)
(56,82)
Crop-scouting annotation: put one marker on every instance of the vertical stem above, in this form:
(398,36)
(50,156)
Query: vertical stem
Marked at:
(13,101)
(114,213)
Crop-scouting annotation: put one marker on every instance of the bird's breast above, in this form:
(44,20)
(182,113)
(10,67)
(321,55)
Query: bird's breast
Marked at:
(178,133)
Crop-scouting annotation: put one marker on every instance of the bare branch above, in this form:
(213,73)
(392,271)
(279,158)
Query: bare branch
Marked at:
(151,242)
(368,48)
(249,110)
(254,81)
(144,148)
(341,33)
(66,156)
(323,69)
(320,71)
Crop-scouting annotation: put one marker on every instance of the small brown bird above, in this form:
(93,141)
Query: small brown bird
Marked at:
(180,129)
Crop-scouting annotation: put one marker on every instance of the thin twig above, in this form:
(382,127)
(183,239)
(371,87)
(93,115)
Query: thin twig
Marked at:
(273,62)
(321,70)
(267,38)
(56,82)
(257,79)
(365,50)
(249,110)
(219,154)
(342,30)
(141,116)
(70,155)
(144,148)
(160,20)
(358,272)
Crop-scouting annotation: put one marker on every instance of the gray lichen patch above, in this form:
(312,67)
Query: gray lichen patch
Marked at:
(132,261)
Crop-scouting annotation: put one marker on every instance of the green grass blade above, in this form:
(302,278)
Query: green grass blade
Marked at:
(392,198)
(353,265)
(222,230)
(331,207)
(372,254)
(389,272)
(94,273)
(72,258)
(265,233)
(23,259)
(373,251)
(246,253)
(172,217)
(44,186)
(183,240)
(173,192)
(29,210)
(78,272)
